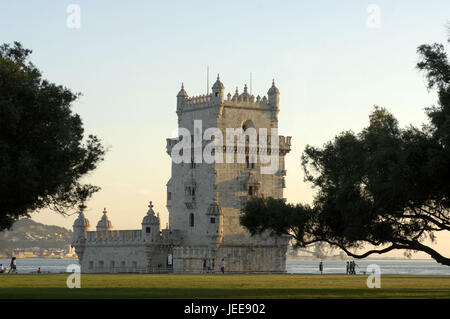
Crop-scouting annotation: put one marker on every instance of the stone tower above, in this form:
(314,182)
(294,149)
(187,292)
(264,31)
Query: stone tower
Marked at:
(205,198)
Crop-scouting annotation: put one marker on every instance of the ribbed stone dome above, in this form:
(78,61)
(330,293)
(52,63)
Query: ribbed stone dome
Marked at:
(218,85)
(245,95)
(104,223)
(273,90)
(182,92)
(151,217)
(81,221)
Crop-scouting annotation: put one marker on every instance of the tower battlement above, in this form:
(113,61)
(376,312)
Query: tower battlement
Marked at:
(113,236)
(218,98)
(166,236)
(237,99)
(109,250)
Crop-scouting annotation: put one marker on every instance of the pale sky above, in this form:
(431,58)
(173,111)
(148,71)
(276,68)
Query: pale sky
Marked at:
(128,59)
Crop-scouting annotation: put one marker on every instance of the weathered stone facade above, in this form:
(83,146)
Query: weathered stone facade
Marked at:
(204,199)
(107,250)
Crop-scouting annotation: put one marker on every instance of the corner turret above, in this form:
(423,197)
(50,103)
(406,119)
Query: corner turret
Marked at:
(80,227)
(151,226)
(218,90)
(274,99)
(104,223)
(181,98)
(214,231)
(274,95)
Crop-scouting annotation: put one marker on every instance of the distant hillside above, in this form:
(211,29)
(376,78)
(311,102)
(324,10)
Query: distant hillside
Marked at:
(27,233)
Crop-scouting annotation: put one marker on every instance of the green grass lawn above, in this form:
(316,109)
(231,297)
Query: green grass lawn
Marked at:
(222,286)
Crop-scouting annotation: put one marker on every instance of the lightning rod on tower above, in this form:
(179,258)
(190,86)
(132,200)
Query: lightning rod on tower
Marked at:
(207,79)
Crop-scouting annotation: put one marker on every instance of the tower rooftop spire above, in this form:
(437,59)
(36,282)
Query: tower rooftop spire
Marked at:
(150,208)
(218,85)
(182,92)
(104,223)
(273,90)
(151,217)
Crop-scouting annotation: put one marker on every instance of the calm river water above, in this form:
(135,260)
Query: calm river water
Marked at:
(407,267)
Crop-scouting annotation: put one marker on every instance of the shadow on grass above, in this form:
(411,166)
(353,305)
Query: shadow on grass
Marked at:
(204,293)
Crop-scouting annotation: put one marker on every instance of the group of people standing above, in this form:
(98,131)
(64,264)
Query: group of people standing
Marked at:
(209,267)
(351,267)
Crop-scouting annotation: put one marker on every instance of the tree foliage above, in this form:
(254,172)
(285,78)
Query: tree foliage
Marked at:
(42,153)
(385,186)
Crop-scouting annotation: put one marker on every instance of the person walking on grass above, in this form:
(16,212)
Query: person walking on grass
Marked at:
(321,267)
(39,270)
(354,267)
(12,268)
(347,268)
(222,266)
(204,266)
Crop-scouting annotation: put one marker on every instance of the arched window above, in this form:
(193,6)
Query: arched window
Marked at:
(250,159)
(247,124)
(191,220)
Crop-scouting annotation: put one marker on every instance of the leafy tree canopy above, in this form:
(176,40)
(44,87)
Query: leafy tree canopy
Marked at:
(42,154)
(385,186)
